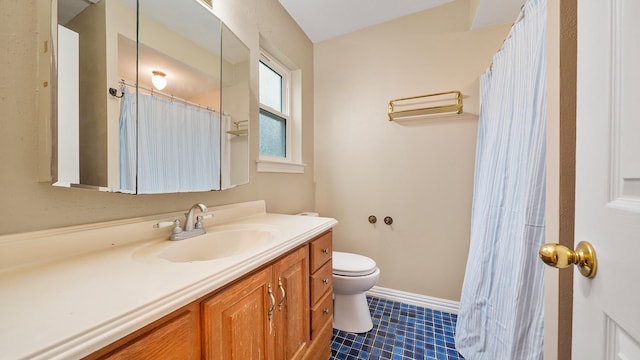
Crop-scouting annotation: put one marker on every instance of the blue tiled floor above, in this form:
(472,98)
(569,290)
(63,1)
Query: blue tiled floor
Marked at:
(400,332)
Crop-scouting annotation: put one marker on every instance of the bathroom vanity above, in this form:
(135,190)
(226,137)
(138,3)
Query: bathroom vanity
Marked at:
(122,299)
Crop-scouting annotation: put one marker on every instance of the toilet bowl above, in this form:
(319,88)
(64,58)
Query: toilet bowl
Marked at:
(353,275)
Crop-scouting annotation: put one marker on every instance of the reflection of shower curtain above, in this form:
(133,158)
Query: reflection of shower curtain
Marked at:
(178,146)
(502,297)
(225,151)
(127,142)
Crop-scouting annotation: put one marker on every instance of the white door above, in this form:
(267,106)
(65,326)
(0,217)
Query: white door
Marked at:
(606,313)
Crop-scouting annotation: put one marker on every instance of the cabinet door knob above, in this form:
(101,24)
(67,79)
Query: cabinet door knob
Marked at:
(325,251)
(325,311)
(325,281)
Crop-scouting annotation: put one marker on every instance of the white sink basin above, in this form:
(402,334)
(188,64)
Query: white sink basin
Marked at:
(224,241)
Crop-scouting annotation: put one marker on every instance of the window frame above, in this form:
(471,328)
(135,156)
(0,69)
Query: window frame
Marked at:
(285,89)
(291,112)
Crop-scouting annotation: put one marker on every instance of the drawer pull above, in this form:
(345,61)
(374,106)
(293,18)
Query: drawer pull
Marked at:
(325,281)
(325,311)
(325,251)
(273,302)
(284,295)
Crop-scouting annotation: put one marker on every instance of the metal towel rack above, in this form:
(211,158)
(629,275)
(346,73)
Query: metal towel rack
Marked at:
(426,110)
(238,131)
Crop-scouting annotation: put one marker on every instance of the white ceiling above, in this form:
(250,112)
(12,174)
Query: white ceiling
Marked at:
(493,12)
(325,19)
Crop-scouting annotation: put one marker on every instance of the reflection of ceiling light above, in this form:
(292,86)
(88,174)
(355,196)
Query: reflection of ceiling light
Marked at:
(158,79)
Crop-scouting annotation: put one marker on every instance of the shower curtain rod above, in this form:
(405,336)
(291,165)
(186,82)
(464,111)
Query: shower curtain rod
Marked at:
(172,97)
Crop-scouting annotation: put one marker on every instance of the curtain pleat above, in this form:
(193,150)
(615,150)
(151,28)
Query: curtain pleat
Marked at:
(128,135)
(501,307)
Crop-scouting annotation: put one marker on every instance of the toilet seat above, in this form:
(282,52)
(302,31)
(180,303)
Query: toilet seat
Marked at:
(348,264)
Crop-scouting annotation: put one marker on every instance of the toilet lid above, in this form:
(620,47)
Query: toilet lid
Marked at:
(348,264)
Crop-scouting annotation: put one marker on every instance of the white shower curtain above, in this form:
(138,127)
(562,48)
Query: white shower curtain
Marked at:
(501,308)
(178,146)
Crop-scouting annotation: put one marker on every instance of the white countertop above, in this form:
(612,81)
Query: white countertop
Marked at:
(67,308)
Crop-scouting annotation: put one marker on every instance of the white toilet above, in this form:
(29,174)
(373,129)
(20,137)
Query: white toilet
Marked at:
(353,275)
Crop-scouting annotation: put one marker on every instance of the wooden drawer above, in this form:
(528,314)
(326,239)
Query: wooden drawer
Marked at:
(320,251)
(321,313)
(321,281)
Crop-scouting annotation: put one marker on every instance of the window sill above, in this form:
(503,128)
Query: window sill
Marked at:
(280,167)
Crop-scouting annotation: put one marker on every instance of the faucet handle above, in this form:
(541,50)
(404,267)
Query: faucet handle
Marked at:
(199,219)
(175,223)
(163,224)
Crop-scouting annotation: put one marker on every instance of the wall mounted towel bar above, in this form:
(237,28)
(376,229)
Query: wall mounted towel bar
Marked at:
(440,104)
(240,130)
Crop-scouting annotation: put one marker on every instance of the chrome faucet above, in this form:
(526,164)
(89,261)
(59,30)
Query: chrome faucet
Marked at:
(190,228)
(189,225)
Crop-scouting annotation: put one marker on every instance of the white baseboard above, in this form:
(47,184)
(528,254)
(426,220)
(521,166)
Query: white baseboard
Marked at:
(415,299)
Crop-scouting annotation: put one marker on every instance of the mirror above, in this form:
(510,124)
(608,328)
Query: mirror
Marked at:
(120,130)
(235,103)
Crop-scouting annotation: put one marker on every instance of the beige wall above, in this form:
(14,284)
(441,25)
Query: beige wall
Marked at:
(420,172)
(28,205)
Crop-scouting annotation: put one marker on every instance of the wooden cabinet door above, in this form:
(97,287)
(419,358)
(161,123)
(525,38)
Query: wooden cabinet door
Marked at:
(174,337)
(291,276)
(236,323)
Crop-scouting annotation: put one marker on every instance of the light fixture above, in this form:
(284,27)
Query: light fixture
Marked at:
(158,79)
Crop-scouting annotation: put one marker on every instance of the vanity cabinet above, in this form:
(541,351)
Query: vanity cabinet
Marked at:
(263,316)
(282,310)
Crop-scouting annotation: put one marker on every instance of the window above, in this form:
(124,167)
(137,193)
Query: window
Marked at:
(274,109)
(280,124)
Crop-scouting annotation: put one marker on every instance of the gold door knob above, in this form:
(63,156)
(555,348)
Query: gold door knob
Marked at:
(560,256)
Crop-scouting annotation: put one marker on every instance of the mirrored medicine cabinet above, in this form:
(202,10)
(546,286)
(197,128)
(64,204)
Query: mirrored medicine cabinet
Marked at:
(148,96)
